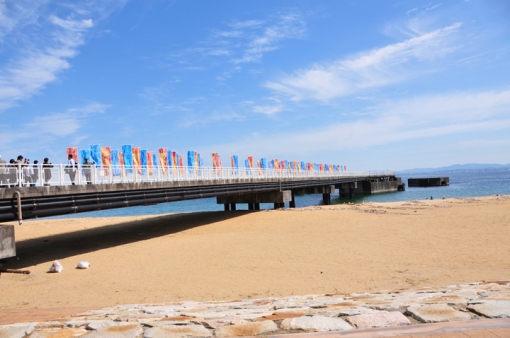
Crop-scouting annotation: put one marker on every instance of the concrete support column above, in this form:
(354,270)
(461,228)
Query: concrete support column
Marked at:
(326,199)
(253,200)
(227,206)
(292,203)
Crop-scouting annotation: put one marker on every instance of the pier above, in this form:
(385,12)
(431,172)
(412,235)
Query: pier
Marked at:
(428,182)
(105,190)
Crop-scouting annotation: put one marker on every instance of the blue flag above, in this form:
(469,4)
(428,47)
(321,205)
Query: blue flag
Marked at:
(143,160)
(191,160)
(95,154)
(127,152)
(115,162)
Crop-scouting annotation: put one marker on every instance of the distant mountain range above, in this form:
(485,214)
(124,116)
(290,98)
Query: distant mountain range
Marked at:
(456,167)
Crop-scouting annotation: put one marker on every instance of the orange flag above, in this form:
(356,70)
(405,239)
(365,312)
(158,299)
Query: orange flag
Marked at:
(106,159)
(137,160)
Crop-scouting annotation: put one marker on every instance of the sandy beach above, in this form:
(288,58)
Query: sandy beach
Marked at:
(240,255)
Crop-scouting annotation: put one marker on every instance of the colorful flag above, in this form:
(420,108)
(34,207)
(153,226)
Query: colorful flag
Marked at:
(143,158)
(115,162)
(85,154)
(95,154)
(235,164)
(150,163)
(263,163)
(169,160)
(174,162)
(163,160)
(137,160)
(191,160)
(127,154)
(73,151)
(121,164)
(155,162)
(106,159)
(180,165)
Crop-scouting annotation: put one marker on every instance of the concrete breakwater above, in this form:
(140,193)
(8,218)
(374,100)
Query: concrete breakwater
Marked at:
(478,301)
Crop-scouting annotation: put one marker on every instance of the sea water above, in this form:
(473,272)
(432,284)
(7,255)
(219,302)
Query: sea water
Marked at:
(462,184)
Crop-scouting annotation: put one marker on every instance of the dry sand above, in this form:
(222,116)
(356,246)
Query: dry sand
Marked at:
(235,255)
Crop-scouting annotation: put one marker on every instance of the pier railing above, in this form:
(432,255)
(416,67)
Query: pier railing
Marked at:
(61,174)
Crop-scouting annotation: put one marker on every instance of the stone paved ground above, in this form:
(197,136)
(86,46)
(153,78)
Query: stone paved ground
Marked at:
(313,313)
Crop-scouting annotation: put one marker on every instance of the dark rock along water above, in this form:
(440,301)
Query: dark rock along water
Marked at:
(462,184)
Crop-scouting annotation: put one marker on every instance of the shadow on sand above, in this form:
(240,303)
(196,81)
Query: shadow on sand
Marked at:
(43,249)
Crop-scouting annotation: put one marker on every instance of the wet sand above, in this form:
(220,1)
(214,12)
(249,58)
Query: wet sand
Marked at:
(239,255)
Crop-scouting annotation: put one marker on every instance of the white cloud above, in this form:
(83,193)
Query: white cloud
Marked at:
(67,123)
(269,110)
(72,25)
(411,10)
(44,130)
(243,42)
(42,43)
(57,124)
(431,7)
(376,68)
(423,117)
(288,26)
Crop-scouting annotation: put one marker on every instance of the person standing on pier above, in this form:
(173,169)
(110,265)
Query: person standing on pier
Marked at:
(35,173)
(27,173)
(87,170)
(47,171)
(71,168)
(13,173)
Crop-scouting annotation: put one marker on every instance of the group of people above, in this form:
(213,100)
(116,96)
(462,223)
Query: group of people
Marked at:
(72,168)
(10,173)
(22,171)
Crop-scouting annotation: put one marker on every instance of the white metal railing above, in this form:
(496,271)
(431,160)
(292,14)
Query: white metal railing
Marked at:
(59,174)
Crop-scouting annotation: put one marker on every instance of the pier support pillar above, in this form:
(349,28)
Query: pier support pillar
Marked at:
(254,199)
(292,203)
(326,199)
(226,206)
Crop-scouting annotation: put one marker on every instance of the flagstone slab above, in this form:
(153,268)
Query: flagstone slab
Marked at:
(59,332)
(379,319)
(215,323)
(359,310)
(491,308)
(98,324)
(16,330)
(315,324)
(434,313)
(247,329)
(175,331)
(120,331)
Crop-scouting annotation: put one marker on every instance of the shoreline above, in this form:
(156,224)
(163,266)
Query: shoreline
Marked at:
(207,256)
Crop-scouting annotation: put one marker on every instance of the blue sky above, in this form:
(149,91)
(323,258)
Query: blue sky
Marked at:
(369,84)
